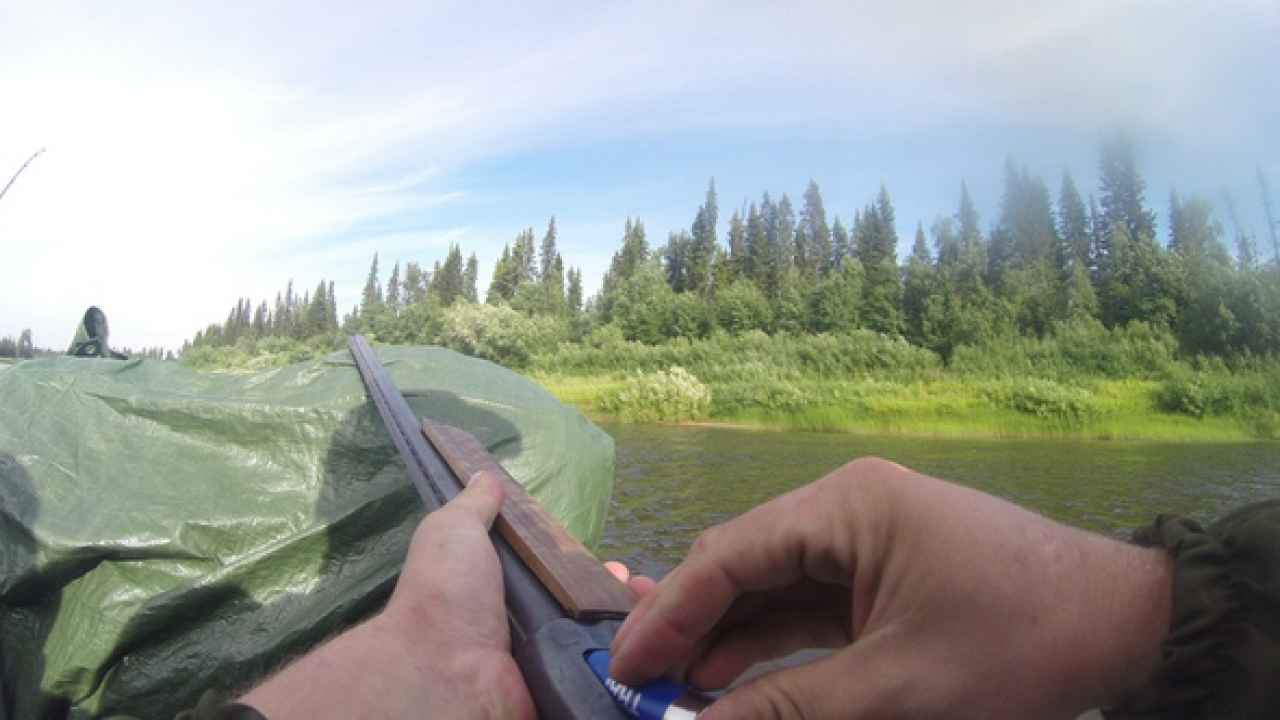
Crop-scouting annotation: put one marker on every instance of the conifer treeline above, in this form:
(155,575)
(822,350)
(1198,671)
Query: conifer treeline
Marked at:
(1046,259)
(22,347)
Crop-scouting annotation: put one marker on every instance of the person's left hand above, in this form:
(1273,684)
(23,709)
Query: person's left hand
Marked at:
(440,648)
(449,602)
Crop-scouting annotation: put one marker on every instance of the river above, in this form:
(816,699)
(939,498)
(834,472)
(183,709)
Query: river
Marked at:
(673,481)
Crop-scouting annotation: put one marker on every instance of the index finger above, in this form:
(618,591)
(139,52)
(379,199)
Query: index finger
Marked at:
(772,546)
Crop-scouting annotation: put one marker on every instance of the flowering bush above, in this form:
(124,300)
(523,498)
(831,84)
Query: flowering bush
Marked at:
(661,396)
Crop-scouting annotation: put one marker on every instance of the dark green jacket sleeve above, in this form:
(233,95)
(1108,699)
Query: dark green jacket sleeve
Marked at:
(1221,659)
(213,706)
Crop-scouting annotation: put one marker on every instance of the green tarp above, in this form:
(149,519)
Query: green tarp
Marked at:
(163,531)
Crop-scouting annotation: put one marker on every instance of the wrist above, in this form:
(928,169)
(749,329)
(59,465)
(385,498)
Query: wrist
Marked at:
(1133,610)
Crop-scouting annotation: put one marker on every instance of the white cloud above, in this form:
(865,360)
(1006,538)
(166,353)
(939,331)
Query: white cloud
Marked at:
(197,154)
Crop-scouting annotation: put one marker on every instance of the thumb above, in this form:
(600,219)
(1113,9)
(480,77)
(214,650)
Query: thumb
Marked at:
(480,499)
(844,685)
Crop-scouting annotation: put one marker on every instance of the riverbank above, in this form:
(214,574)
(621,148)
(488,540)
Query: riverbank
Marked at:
(1081,381)
(943,407)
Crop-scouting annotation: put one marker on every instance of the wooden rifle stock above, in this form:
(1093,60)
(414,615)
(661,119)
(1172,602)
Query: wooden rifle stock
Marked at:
(561,602)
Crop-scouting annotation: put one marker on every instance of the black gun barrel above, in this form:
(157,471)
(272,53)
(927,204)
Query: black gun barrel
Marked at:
(549,646)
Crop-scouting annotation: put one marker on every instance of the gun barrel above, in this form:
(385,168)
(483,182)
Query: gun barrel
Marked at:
(549,647)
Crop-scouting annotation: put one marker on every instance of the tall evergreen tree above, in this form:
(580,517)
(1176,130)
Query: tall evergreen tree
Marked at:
(26,347)
(333,309)
(737,245)
(632,256)
(839,244)
(470,292)
(813,218)
(277,317)
(393,289)
(448,283)
(500,287)
(317,312)
(967,218)
(918,287)
(290,303)
(414,290)
(574,298)
(757,247)
(782,223)
(701,248)
(676,260)
(877,242)
(1123,189)
(371,299)
(523,255)
(547,256)
(1073,227)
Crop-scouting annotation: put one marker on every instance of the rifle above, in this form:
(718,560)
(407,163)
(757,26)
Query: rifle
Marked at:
(562,605)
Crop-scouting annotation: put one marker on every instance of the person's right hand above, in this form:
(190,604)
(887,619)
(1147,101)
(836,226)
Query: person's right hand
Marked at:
(943,602)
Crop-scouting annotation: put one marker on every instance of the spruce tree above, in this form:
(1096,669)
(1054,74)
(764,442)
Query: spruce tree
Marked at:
(290,304)
(449,284)
(675,260)
(500,289)
(970,237)
(813,218)
(548,253)
(333,310)
(1122,189)
(918,287)
(757,248)
(781,244)
(317,312)
(393,289)
(553,287)
(1073,228)
(575,291)
(470,292)
(737,245)
(877,250)
(701,248)
(371,299)
(839,244)
(633,254)
(414,290)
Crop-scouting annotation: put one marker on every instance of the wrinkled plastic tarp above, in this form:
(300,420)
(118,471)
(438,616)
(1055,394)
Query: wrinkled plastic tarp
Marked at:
(164,532)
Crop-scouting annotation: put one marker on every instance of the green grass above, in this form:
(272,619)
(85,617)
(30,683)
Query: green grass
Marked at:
(945,407)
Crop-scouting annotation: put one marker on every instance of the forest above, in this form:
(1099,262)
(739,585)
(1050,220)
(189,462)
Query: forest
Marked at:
(1068,313)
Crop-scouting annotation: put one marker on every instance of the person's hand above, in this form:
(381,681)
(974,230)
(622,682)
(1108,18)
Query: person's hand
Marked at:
(943,602)
(439,649)
(449,604)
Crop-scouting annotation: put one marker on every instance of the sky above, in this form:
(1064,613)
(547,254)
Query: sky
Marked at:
(197,153)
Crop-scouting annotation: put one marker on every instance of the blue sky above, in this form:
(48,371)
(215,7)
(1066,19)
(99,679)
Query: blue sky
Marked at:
(197,155)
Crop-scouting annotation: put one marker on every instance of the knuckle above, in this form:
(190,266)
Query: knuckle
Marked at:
(776,701)
(867,474)
(706,542)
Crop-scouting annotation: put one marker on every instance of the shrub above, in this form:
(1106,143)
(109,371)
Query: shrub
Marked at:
(662,396)
(500,334)
(752,355)
(1201,394)
(1079,348)
(1045,399)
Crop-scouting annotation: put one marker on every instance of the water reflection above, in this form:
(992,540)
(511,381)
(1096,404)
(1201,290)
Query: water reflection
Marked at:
(674,481)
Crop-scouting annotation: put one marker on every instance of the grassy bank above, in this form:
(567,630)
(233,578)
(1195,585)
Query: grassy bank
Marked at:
(1080,380)
(946,407)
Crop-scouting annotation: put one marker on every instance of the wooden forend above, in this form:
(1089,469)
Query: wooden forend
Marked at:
(582,586)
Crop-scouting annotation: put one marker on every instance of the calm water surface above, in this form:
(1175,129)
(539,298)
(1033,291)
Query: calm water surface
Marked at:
(674,481)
